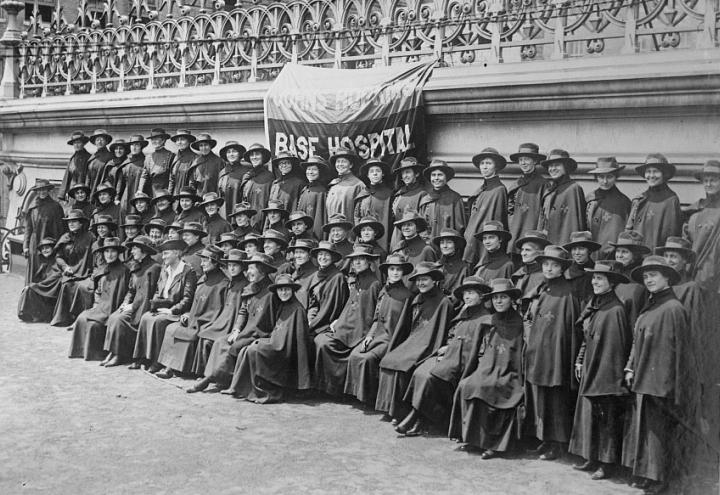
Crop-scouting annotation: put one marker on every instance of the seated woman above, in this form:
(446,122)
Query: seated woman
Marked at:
(186,210)
(494,260)
(274,244)
(412,246)
(214,224)
(272,365)
(431,388)
(420,331)
(88,337)
(122,325)
(333,348)
(180,340)
(363,367)
(485,409)
(408,175)
(104,202)
(45,275)
(240,218)
(192,234)
(275,217)
(337,229)
(451,245)
(299,225)
(174,296)
(80,194)
(367,231)
(301,268)
(327,289)
(162,203)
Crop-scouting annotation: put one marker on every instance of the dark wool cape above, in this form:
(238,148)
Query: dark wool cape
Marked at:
(563,210)
(703,230)
(328,292)
(656,215)
(488,203)
(525,205)
(375,200)
(255,189)
(43,219)
(442,208)
(607,214)
(312,201)
(229,184)
(406,198)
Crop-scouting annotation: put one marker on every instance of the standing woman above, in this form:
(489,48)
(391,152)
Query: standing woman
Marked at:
(563,205)
(129,173)
(162,203)
(656,212)
(346,187)
(496,263)
(44,278)
(485,409)
(96,163)
(205,170)
(602,395)
(420,331)
(76,170)
(374,199)
(450,244)
(314,195)
(231,175)
(113,167)
(184,158)
(104,201)
(327,290)
(703,229)
(410,192)
(525,197)
(659,373)
(187,209)
(157,167)
(257,182)
(289,180)
(488,203)
(441,207)
(629,252)
(80,196)
(43,219)
(607,207)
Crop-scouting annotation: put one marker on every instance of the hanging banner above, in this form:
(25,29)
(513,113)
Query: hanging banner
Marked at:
(377,112)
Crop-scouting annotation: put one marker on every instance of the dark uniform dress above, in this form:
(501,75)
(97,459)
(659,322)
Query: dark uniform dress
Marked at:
(563,210)
(151,329)
(406,198)
(527,279)
(109,208)
(375,200)
(156,171)
(421,330)
(312,201)
(363,367)
(205,172)
(129,174)
(229,183)
(632,294)
(302,275)
(112,169)
(168,215)
(180,176)
(552,345)
(663,384)
(607,214)
(415,250)
(44,218)
(656,215)
(88,337)
(255,188)
(74,251)
(333,348)
(486,403)
(455,270)
(191,256)
(75,172)
(525,205)
(602,396)
(180,341)
(214,226)
(433,383)
(488,203)
(122,325)
(242,232)
(328,292)
(581,280)
(496,264)
(279,361)
(192,214)
(342,192)
(96,167)
(286,189)
(30,307)
(442,208)
(703,230)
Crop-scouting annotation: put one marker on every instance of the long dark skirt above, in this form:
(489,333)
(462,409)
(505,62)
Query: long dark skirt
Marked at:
(222,359)
(150,335)
(202,353)
(391,390)
(88,337)
(174,353)
(331,362)
(428,394)
(245,382)
(363,373)
(650,430)
(62,315)
(120,335)
(549,413)
(33,307)
(598,428)
(486,427)
(83,298)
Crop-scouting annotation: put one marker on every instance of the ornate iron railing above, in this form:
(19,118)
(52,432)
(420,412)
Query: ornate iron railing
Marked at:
(182,45)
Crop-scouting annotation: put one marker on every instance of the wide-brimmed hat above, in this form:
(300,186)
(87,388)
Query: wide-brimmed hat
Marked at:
(678,244)
(537,236)
(531,150)
(140,196)
(409,162)
(203,138)
(328,247)
(372,222)
(100,133)
(172,245)
(76,214)
(658,161)
(77,187)
(110,243)
(251,237)
(210,198)
(500,161)
(454,235)
(337,220)
(133,221)
(158,132)
(412,216)
(161,194)
(655,263)
(283,280)
(343,152)
(375,162)
(144,243)
(177,225)
(582,238)
(120,143)
(194,228)
(711,167)
(286,155)
(555,253)
(397,259)
(611,269)
(155,222)
(106,220)
(300,215)
(560,156)
(47,241)
(78,136)
(183,133)
(606,165)
(494,227)
(362,251)
(320,163)
(633,241)
(232,144)
(235,256)
(439,165)
(274,235)
(188,192)
(42,184)
(472,282)
(503,286)
(276,205)
(428,268)
(104,187)
(241,208)
(261,259)
(227,238)
(258,147)
(137,139)
(302,243)
(212,253)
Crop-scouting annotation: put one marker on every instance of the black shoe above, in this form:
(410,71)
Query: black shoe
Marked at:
(134,366)
(600,473)
(488,454)
(199,386)
(539,449)
(551,454)
(165,374)
(416,430)
(586,466)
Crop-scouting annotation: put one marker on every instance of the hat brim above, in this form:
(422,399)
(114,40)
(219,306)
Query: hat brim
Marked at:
(138,225)
(108,137)
(345,225)
(84,139)
(459,240)
(447,170)
(613,277)
(668,170)
(274,287)
(169,197)
(672,275)
(200,233)
(79,219)
(112,225)
(265,152)
(174,245)
(591,245)
(688,253)
(270,268)
(406,267)
(481,288)
(354,159)
(147,227)
(195,144)
(536,156)
(194,197)
(504,235)
(384,166)
(606,170)
(249,213)
(165,136)
(217,201)
(635,248)
(48,187)
(570,164)
(562,261)
(434,274)
(145,247)
(189,137)
(282,242)
(335,255)
(143,143)
(282,211)
(239,147)
(376,226)
(118,248)
(500,161)
(420,222)
(295,161)
(512,293)
(417,167)
(110,191)
(307,219)
(537,240)
(362,255)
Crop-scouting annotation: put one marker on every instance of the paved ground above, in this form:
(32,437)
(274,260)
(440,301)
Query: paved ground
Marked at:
(69,426)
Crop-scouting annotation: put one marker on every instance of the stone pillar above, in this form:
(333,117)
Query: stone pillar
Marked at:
(10,40)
